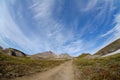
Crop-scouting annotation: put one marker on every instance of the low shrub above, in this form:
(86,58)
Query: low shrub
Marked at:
(11,67)
(107,68)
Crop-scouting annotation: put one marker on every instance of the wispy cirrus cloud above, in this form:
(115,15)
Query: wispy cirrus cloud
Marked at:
(115,31)
(90,5)
(64,27)
(53,30)
(10,31)
(42,9)
(111,34)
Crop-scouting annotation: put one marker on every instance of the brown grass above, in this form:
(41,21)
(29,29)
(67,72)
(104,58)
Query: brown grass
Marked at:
(99,69)
(11,67)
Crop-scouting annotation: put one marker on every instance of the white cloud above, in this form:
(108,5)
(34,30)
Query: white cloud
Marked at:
(90,5)
(11,31)
(72,48)
(115,31)
(112,34)
(56,33)
(42,8)
(86,5)
(51,33)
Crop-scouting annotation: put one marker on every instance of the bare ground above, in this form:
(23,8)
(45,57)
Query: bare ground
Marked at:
(63,72)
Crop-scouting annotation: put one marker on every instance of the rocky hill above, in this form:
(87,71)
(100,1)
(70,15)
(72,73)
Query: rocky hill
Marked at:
(12,52)
(44,55)
(112,47)
(50,55)
(65,56)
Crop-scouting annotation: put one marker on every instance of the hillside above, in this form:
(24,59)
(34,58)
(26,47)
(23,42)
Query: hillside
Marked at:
(83,55)
(44,55)
(107,68)
(50,55)
(1,47)
(12,67)
(112,47)
(12,52)
(65,56)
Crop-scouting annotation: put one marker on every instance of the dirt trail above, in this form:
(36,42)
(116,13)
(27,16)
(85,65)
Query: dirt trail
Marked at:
(63,72)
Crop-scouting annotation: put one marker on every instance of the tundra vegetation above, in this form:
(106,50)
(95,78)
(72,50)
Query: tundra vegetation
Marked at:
(107,68)
(11,67)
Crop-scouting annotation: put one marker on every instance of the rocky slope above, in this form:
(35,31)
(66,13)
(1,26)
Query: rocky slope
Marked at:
(1,47)
(12,52)
(44,55)
(50,55)
(112,53)
(112,47)
(65,56)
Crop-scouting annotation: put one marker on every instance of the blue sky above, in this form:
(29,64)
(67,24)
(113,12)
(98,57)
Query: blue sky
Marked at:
(62,26)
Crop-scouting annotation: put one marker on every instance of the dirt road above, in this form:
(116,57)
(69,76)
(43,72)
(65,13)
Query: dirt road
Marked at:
(63,72)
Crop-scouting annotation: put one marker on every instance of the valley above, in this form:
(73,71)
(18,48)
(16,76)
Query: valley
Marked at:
(63,72)
(103,65)
(59,39)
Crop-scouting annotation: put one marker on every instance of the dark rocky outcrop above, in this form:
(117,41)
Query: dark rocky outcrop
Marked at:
(12,52)
(1,47)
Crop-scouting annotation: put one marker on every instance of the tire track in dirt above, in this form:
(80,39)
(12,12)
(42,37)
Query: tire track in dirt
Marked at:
(63,72)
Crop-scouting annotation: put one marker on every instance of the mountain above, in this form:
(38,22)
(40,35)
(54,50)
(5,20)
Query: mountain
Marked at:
(12,52)
(83,55)
(44,55)
(111,48)
(50,55)
(65,56)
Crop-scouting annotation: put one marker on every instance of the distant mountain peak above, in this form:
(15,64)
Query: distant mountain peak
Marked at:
(51,55)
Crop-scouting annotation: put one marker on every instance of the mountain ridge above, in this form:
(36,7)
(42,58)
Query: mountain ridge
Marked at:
(112,47)
(51,55)
(12,52)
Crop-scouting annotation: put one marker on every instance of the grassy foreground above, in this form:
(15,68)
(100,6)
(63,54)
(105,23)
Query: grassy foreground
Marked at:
(11,67)
(107,68)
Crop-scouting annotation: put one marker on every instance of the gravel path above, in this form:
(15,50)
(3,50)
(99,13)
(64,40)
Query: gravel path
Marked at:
(63,72)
